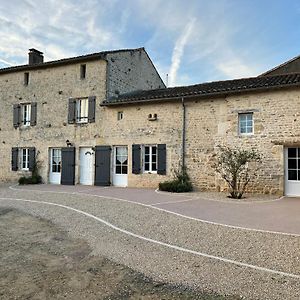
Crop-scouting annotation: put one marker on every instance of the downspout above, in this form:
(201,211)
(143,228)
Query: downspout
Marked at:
(183,134)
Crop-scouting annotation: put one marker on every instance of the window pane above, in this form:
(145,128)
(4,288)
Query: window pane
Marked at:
(154,167)
(124,169)
(292,175)
(147,150)
(147,158)
(292,152)
(153,158)
(147,165)
(292,164)
(118,170)
(154,148)
(243,129)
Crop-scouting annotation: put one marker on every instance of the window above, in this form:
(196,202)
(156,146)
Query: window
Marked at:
(120,115)
(82,110)
(121,160)
(26,78)
(82,71)
(246,123)
(26,114)
(56,161)
(150,159)
(24,159)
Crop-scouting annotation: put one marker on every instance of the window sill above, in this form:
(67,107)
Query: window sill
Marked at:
(150,172)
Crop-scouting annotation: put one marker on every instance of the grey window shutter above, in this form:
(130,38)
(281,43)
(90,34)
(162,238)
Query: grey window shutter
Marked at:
(136,159)
(102,165)
(68,165)
(14,159)
(33,114)
(71,111)
(92,107)
(31,158)
(161,159)
(16,115)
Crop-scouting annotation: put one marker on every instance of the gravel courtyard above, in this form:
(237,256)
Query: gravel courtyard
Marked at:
(168,248)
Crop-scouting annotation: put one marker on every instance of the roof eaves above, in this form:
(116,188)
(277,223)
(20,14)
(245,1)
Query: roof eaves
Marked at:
(198,95)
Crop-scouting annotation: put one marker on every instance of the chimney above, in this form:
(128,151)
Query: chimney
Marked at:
(35,57)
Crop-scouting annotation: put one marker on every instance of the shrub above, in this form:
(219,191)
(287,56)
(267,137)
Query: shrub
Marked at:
(180,184)
(22,180)
(237,167)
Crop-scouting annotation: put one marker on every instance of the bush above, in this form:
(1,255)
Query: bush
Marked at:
(237,167)
(180,184)
(22,180)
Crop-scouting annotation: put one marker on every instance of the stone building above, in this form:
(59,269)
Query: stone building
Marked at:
(50,112)
(141,131)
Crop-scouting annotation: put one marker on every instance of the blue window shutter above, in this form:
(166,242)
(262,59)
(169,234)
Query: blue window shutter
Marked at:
(136,159)
(161,159)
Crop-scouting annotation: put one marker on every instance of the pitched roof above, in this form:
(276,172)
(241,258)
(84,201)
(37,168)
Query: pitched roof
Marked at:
(209,89)
(291,63)
(65,61)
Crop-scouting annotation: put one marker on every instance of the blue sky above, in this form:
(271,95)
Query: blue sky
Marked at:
(193,41)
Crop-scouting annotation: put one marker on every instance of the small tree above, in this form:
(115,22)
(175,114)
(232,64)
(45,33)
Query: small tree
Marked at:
(237,167)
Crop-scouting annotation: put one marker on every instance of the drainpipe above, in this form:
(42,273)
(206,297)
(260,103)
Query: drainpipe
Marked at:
(183,134)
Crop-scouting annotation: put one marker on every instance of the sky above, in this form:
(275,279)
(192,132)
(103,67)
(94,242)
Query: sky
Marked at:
(193,41)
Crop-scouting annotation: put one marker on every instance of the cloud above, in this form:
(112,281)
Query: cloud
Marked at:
(179,50)
(235,68)
(6,62)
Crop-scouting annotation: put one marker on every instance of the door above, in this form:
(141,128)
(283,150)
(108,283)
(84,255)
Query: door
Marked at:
(292,171)
(102,165)
(86,166)
(120,166)
(68,166)
(55,166)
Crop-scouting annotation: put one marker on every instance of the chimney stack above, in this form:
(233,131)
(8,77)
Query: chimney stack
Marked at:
(35,57)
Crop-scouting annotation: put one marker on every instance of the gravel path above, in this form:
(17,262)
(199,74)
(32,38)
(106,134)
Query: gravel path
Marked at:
(277,252)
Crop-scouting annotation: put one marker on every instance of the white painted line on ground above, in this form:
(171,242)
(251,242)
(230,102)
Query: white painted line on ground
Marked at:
(163,210)
(216,200)
(225,260)
(171,202)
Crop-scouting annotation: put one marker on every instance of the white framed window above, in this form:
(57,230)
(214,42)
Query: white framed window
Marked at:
(82,110)
(150,158)
(246,123)
(24,159)
(26,114)
(56,160)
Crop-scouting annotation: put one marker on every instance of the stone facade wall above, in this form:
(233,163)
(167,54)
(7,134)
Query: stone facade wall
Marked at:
(215,122)
(50,88)
(129,71)
(135,128)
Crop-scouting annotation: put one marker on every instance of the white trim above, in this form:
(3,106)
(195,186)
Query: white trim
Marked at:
(178,248)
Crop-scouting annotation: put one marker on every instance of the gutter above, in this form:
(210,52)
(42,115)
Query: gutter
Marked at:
(183,134)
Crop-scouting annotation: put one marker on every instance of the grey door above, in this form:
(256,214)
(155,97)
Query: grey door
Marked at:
(68,166)
(102,165)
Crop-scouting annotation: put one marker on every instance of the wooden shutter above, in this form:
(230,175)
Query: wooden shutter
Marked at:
(31,153)
(91,109)
(33,115)
(16,115)
(14,159)
(68,166)
(161,159)
(102,165)
(136,159)
(71,111)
